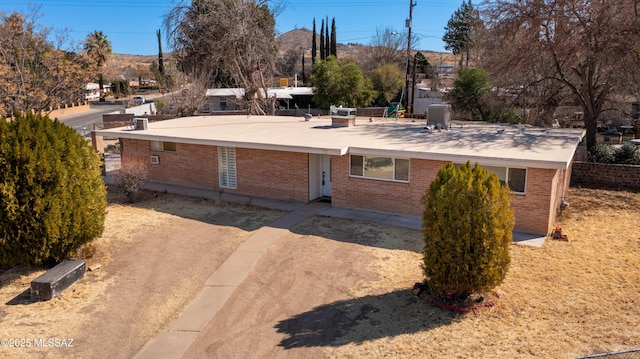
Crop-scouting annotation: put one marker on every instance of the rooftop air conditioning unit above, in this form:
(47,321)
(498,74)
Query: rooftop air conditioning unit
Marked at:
(439,115)
(141,123)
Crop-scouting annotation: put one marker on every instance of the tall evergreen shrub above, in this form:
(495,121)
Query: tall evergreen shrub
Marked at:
(52,198)
(467,231)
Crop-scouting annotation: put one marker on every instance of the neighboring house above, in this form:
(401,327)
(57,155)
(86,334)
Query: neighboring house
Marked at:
(379,166)
(291,98)
(226,99)
(92,91)
(425,97)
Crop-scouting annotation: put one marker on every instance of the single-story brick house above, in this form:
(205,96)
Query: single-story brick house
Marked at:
(374,165)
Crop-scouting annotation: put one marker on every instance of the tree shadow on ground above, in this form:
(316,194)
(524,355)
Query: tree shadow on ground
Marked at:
(362,319)
(16,273)
(362,232)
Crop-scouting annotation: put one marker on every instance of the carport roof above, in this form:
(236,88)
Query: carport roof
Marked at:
(497,145)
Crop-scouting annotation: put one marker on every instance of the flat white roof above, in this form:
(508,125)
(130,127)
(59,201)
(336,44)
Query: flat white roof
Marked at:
(496,145)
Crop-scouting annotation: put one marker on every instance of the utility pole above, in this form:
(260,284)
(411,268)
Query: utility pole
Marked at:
(409,104)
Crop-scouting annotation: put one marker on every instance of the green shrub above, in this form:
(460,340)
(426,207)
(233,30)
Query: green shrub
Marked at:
(601,153)
(628,154)
(52,198)
(467,231)
(501,114)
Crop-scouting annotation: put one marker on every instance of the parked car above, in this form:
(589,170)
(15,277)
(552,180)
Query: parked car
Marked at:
(139,100)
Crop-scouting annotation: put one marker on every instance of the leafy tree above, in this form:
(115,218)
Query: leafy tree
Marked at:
(586,49)
(459,30)
(467,231)
(387,80)
(35,75)
(340,84)
(422,65)
(232,41)
(120,88)
(52,198)
(469,92)
(98,47)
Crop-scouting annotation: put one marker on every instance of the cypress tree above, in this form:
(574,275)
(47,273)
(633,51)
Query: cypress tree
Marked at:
(334,44)
(322,51)
(52,198)
(314,49)
(160,60)
(327,40)
(304,75)
(467,231)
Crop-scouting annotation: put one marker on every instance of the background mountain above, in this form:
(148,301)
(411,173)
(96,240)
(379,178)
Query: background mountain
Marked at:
(300,40)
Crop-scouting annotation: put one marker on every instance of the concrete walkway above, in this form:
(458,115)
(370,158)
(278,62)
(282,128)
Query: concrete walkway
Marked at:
(180,334)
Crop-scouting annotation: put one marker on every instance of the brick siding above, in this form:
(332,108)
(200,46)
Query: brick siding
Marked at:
(535,212)
(272,174)
(285,175)
(269,174)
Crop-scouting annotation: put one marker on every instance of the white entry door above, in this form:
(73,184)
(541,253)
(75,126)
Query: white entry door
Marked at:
(319,176)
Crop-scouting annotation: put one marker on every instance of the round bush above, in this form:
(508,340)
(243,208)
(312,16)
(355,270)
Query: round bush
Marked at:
(52,197)
(467,231)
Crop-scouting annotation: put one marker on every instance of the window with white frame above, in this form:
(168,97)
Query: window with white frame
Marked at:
(379,167)
(162,146)
(227,167)
(515,178)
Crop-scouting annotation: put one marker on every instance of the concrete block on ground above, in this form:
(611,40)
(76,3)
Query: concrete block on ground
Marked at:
(54,281)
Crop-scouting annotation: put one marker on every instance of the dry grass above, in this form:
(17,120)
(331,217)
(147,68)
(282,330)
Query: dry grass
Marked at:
(564,300)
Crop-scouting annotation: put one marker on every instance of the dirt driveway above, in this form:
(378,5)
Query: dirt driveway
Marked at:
(333,288)
(155,256)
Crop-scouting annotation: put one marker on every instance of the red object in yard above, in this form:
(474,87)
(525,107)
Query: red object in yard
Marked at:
(557,234)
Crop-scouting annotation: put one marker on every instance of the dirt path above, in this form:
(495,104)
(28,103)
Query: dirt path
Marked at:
(306,292)
(154,261)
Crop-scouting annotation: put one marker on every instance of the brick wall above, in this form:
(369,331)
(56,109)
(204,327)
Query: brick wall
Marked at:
(189,165)
(535,211)
(285,175)
(269,174)
(273,174)
(385,196)
(608,176)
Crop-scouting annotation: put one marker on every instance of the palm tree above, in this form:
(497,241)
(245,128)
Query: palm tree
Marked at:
(98,47)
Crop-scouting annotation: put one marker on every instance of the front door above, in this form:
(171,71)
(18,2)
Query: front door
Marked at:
(319,176)
(326,176)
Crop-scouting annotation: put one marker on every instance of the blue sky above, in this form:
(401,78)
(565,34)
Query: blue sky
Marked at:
(131,25)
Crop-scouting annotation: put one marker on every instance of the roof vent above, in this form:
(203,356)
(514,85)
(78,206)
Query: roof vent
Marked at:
(342,116)
(140,123)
